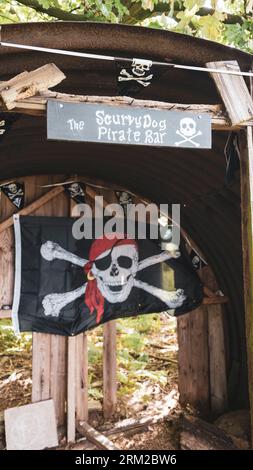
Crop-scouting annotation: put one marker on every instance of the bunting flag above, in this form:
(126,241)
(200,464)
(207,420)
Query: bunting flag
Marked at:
(197,262)
(15,192)
(76,191)
(124,199)
(66,286)
(232,154)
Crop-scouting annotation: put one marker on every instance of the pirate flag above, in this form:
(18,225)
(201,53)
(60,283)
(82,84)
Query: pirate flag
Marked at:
(15,192)
(76,191)
(66,286)
(6,121)
(197,262)
(135,76)
(124,198)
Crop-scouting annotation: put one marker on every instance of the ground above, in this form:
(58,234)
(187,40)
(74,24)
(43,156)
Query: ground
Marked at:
(147,376)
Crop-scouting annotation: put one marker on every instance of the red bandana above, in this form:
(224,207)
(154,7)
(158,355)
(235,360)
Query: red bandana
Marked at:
(93,297)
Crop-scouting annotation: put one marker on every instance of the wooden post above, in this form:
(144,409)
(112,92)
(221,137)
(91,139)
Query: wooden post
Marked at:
(71,396)
(216,343)
(247,249)
(193,360)
(233,91)
(82,377)
(109,370)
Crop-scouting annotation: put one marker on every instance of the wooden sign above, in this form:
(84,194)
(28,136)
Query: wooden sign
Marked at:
(31,427)
(125,125)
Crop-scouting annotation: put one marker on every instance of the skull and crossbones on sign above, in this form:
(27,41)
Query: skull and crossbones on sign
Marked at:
(188,131)
(111,274)
(140,72)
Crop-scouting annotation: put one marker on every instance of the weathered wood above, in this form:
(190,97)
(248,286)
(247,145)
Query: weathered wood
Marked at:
(193,359)
(234,92)
(5,313)
(29,84)
(82,377)
(216,342)
(109,369)
(215,300)
(247,249)
(101,441)
(6,257)
(197,434)
(37,105)
(71,396)
(34,206)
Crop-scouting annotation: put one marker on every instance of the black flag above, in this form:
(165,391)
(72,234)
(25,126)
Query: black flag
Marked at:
(197,262)
(6,121)
(124,199)
(76,191)
(66,286)
(15,192)
(134,76)
(232,154)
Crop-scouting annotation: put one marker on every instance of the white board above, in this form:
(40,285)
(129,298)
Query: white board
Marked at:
(31,427)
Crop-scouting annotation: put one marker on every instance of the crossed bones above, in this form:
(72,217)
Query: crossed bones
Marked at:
(125,76)
(188,139)
(2,124)
(54,303)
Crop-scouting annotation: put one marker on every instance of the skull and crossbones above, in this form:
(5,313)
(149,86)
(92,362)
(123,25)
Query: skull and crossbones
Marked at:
(111,275)
(140,68)
(14,191)
(75,190)
(188,131)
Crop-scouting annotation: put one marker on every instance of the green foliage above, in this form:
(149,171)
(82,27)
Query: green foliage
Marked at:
(10,342)
(226,21)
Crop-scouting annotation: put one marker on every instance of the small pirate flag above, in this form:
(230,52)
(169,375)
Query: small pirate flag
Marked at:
(197,262)
(66,286)
(15,192)
(6,121)
(76,191)
(135,76)
(124,199)
(232,155)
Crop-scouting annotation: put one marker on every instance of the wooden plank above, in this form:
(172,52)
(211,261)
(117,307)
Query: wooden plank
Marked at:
(233,91)
(37,105)
(215,300)
(216,342)
(247,249)
(34,206)
(7,209)
(199,435)
(82,377)
(29,84)
(71,380)
(193,360)
(101,441)
(109,369)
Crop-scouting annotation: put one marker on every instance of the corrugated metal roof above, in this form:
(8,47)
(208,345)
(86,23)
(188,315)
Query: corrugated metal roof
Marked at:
(194,178)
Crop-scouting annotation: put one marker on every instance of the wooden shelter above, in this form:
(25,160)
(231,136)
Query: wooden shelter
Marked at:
(215,347)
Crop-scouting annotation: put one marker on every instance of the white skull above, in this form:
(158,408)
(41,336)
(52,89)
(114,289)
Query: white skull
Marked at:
(188,127)
(75,189)
(115,271)
(141,66)
(125,198)
(13,188)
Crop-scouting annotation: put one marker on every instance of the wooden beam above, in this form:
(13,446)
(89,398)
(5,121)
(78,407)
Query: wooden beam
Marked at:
(215,300)
(101,441)
(5,313)
(82,377)
(246,146)
(29,84)
(33,206)
(37,105)
(233,91)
